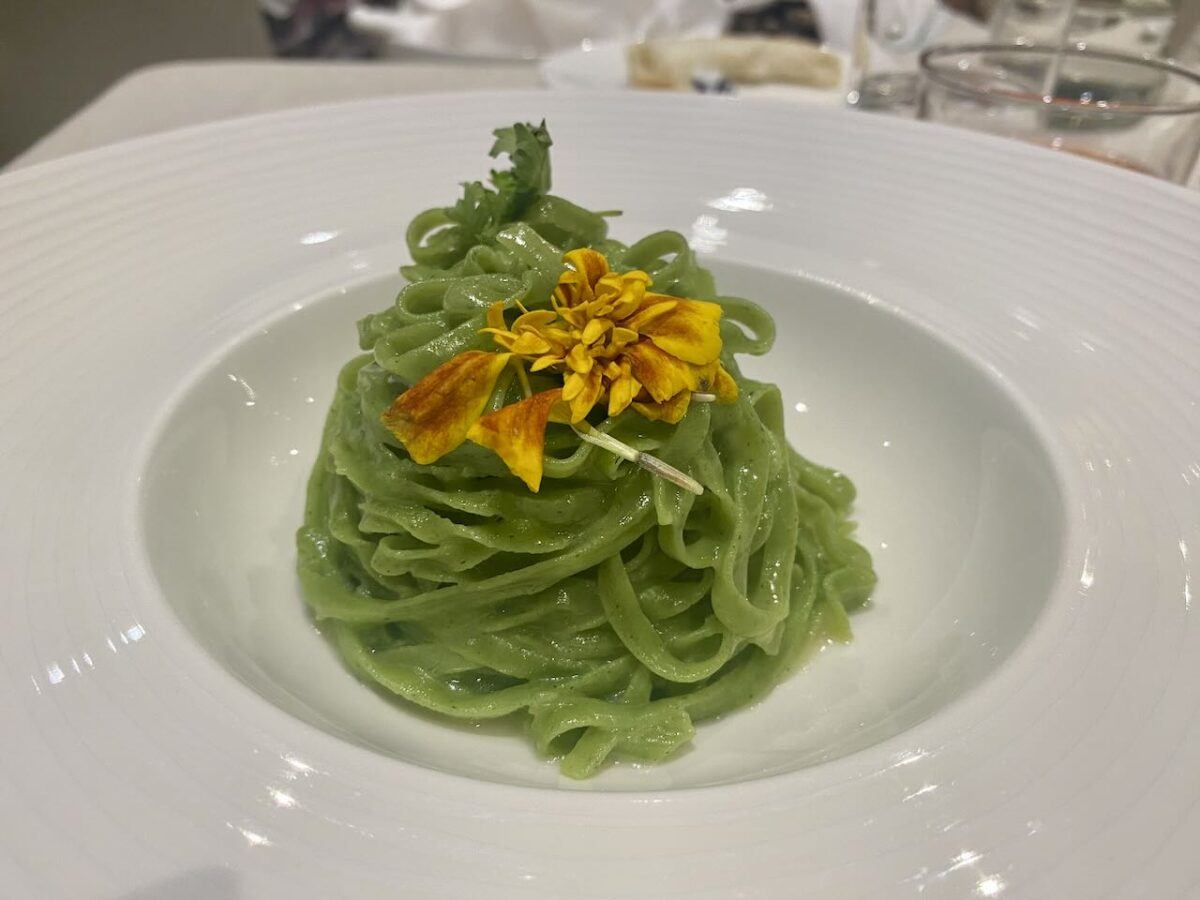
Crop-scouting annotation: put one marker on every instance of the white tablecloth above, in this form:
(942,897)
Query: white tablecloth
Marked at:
(173,95)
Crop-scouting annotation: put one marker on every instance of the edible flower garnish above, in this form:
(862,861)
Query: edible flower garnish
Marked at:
(613,342)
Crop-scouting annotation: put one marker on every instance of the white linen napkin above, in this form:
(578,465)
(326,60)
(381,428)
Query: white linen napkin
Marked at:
(530,29)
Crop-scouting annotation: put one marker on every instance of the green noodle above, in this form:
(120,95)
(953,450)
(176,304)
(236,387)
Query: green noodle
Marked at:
(612,609)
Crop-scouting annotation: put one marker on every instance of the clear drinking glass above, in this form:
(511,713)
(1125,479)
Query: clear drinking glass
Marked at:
(1141,114)
(889,37)
(1139,27)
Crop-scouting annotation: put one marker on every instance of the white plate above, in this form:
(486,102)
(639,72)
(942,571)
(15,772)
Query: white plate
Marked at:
(997,342)
(601,66)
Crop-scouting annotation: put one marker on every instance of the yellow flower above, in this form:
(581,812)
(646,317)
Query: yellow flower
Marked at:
(608,336)
(611,337)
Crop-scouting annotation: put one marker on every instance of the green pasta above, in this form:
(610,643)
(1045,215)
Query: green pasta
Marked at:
(611,609)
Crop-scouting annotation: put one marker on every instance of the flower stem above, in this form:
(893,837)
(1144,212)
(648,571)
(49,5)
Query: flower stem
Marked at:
(651,464)
(523,378)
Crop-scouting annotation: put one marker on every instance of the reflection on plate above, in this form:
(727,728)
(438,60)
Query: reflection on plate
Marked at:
(996,341)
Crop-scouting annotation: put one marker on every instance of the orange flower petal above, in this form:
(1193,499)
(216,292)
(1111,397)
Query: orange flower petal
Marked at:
(724,386)
(504,338)
(622,337)
(574,317)
(593,386)
(535,319)
(530,343)
(621,392)
(603,352)
(564,295)
(595,330)
(561,413)
(623,293)
(661,374)
(579,359)
(517,434)
(573,386)
(625,307)
(632,294)
(433,416)
(495,316)
(670,411)
(651,311)
(714,379)
(689,332)
(608,287)
(588,263)
(651,298)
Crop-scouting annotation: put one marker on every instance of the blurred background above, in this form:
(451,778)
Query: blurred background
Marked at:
(1119,81)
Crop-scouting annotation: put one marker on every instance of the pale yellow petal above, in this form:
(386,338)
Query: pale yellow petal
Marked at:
(433,416)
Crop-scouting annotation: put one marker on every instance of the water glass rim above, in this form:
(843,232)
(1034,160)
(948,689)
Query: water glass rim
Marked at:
(940,77)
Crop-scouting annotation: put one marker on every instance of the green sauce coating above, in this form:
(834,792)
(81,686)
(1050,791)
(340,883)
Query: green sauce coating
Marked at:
(611,610)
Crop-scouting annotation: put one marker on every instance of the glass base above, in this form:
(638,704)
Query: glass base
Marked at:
(893,90)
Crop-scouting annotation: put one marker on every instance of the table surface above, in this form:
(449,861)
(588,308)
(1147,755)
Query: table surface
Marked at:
(173,95)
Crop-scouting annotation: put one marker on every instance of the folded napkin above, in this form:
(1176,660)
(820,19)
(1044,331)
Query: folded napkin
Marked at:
(534,28)
(674,64)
